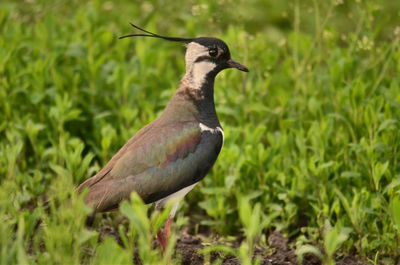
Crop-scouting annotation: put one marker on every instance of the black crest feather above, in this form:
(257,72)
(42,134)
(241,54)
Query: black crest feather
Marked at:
(153,35)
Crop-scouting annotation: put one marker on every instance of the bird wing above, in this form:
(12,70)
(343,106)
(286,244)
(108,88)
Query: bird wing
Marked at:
(155,163)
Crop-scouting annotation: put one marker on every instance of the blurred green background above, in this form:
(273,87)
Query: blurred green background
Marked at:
(312,140)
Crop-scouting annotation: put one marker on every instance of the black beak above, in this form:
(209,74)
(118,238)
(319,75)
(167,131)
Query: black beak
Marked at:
(233,64)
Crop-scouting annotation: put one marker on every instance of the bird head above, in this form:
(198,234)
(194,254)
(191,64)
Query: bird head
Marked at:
(204,55)
(209,55)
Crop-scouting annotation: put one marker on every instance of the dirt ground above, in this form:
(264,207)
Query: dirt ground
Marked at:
(278,252)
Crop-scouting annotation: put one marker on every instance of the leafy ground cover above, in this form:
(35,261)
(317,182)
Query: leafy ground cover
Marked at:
(312,142)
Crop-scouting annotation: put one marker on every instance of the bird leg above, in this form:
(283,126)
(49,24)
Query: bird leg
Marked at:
(162,235)
(161,240)
(167,227)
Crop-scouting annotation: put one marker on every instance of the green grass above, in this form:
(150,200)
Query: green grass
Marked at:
(312,132)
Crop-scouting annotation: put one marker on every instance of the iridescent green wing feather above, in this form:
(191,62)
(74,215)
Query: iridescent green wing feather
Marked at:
(166,159)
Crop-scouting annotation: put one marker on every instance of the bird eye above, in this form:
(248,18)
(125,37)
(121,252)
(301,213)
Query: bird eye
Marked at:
(213,52)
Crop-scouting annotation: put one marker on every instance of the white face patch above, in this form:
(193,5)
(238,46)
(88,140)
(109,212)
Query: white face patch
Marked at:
(193,51)
(197,71)
(200,71)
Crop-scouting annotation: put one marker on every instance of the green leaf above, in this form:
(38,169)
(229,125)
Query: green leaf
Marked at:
(396,211)
(308,249)
(109,252)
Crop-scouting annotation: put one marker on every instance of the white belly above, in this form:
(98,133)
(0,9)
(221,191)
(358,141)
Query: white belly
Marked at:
(176,196)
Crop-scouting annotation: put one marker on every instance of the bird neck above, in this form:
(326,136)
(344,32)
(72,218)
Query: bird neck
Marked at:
(199,85)
(194,101)
(200,75)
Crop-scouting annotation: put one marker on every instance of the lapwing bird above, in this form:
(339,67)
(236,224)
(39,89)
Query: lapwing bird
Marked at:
(165,160)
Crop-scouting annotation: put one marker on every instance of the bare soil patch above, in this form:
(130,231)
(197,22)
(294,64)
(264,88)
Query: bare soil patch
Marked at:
(277,253)
(188,245)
